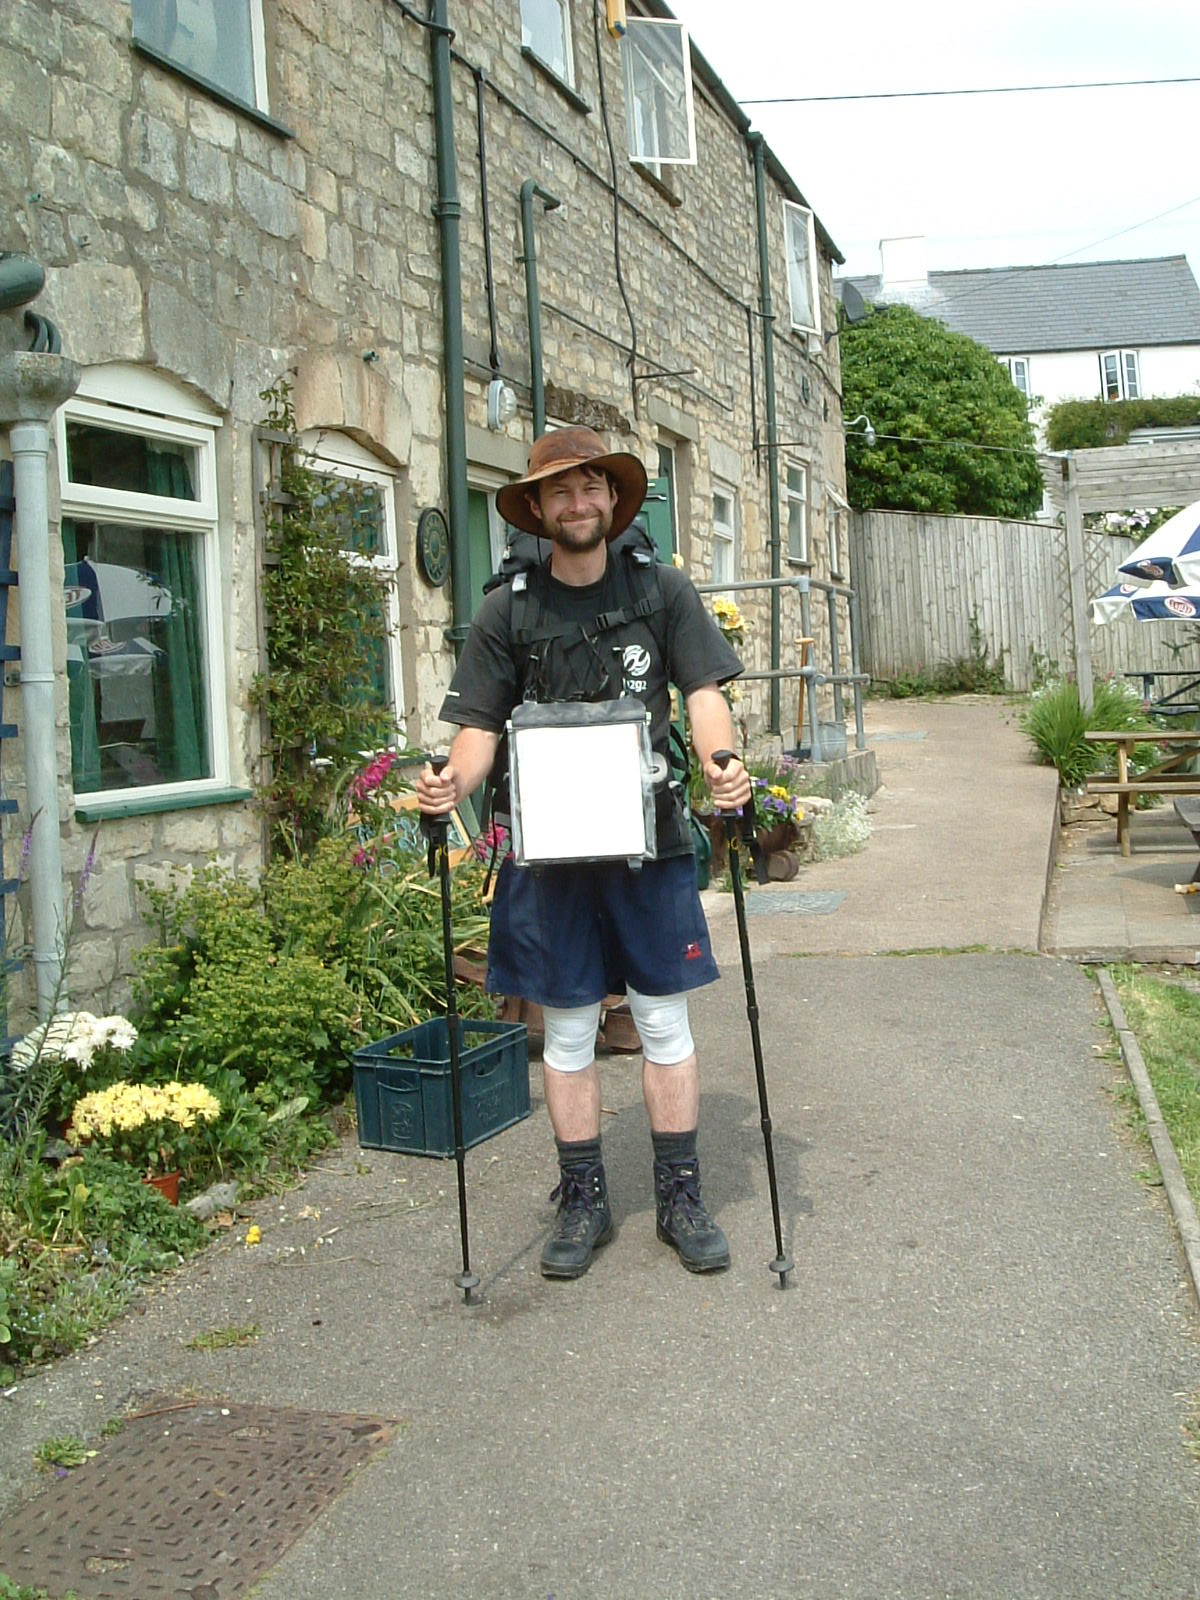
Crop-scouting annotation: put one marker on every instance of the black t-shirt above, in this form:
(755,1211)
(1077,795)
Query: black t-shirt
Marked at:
(492,672)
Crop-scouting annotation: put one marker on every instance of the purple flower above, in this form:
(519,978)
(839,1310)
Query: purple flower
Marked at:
(89,866)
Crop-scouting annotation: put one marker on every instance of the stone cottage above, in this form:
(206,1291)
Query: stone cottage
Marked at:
(448,225)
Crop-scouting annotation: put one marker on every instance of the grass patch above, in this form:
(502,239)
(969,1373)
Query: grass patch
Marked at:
(1165,1019)
(62,1451)
(226,1338)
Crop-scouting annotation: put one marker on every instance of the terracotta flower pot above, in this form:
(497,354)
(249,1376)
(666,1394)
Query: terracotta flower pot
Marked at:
(167,1184)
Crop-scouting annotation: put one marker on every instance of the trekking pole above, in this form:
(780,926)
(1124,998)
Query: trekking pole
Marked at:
(437,829)
(736,825)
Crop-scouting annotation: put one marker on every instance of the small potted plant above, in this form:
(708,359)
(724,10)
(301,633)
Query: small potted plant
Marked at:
(154,1126)
(776,815)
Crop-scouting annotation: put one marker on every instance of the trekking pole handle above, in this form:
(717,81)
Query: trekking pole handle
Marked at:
(722,759)
(436,826)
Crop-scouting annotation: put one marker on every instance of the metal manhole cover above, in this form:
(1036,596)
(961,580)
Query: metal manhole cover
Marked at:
(189,1501)
(809,903)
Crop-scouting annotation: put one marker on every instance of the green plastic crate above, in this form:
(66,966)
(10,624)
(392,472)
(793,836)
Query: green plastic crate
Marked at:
(402,1086)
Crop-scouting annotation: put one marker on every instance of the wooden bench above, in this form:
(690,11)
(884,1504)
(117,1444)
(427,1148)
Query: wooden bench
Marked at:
(1164,778)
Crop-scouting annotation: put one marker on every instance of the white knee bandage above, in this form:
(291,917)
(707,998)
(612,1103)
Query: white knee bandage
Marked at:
(570,1036)
(662,1024)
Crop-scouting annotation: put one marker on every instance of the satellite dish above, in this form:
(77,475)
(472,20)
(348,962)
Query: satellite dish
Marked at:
(853,304)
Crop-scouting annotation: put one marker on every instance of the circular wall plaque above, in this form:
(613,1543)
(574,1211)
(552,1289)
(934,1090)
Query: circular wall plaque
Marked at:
(433,546)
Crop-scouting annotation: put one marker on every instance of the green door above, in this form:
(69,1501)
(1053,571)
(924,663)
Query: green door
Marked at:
(479,544)
(659,513)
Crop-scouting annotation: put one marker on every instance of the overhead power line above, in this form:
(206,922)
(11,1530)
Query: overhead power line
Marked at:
(934,94)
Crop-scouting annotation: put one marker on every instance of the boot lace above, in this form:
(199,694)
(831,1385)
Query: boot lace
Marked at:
(679,1192)
(577,1196)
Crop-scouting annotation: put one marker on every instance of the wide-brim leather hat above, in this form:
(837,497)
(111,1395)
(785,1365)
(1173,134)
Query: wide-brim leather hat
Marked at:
(560,451)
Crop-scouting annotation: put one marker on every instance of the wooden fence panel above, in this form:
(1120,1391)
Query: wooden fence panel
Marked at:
(920,581)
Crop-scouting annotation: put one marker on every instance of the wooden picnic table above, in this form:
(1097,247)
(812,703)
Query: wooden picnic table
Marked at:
(1171,775)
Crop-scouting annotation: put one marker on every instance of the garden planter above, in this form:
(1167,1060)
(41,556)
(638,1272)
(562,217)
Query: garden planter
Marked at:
(167,1184)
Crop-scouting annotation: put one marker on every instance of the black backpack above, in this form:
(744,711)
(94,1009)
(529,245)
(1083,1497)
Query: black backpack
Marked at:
(526,565)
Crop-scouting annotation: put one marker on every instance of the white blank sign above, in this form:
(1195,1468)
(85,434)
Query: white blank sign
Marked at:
(577,793)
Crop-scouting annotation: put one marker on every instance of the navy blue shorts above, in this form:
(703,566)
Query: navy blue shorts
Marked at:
(569,935)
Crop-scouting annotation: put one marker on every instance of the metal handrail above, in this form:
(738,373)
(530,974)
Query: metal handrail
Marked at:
(813,676)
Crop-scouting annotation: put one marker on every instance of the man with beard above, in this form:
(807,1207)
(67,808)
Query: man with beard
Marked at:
(566,935)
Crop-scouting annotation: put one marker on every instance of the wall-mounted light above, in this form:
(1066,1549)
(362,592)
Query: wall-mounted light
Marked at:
(868,432)
(501,404)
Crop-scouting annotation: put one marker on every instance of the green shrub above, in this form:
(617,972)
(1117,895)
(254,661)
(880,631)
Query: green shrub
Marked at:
(1089,424)
(75,1243)
(1056,722)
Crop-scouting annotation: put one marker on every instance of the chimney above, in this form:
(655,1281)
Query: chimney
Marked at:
(902,263)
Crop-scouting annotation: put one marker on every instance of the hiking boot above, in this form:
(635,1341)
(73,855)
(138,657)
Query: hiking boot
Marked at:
(683,1219)
(584,1222)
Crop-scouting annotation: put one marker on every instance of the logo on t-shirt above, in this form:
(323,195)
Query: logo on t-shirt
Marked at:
(636,660)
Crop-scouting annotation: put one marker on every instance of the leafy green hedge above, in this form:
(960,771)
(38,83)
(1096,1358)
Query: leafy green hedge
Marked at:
(1091,424)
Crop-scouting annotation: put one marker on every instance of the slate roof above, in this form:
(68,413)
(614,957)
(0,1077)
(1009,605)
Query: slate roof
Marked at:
(1088,305)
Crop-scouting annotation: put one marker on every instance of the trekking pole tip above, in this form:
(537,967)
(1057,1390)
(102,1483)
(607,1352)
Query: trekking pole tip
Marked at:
(466,1281)
(781,1266)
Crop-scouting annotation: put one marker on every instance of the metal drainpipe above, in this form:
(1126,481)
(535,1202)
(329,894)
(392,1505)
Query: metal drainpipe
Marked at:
(755,141)
(533,302)
(32,387)
(448,211)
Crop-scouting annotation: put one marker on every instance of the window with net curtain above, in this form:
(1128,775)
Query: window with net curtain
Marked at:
(134,593)
(216,41)
(546,30)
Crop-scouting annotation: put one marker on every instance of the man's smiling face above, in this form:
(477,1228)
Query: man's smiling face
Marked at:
(576,507)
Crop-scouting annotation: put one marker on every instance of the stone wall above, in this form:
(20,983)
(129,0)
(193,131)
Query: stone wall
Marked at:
(186,237)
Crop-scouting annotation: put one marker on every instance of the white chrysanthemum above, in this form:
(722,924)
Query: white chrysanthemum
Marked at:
(59,1039)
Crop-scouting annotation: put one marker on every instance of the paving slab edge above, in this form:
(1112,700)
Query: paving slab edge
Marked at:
(1174,1182)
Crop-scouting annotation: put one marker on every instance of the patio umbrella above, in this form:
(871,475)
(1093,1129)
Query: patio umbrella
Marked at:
(1171,554)
(1148,602)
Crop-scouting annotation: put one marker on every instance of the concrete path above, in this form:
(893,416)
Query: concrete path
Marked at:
(977,1385)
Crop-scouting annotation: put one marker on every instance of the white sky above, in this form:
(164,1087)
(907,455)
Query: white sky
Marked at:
(989,180)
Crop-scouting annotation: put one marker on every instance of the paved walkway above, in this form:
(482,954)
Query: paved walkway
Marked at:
(977,1385)
(1104,906)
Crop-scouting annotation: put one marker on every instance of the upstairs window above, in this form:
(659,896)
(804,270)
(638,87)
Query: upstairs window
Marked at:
(802,267)
(656,60)
(1119,376)
(219,43)
(1018,371)
(546,33)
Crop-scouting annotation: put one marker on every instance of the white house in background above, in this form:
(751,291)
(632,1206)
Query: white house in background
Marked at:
(1114,330)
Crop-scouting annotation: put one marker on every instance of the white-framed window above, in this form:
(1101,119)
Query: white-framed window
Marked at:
(724,521)
(363,492)
(220,43)
(141,590)
(656,60)
(837,520)
(1018,371)
(546,31)
(1119,375)
(796,490)
(801,238)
